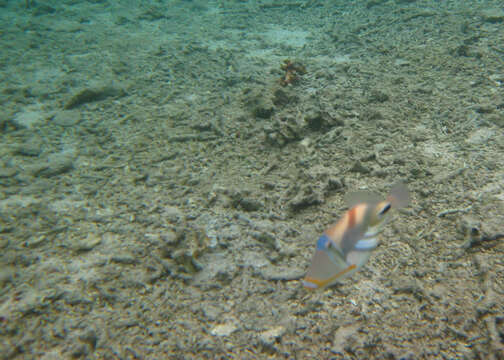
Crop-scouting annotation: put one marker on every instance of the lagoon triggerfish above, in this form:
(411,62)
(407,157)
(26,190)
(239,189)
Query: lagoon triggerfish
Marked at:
(346,246)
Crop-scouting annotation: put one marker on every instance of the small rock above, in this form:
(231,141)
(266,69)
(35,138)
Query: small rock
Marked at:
(29,149)
(224,329)
(169,238)
(282,274)
(334,184)
(212,312)
(283,97)
(219,270)
(401,62)
(88,243)
(344,338)
(497,119)
(93,94)
(378,96)
(89,337)
(6,275)
(75,298)
(186,261)
(43,9)
(27,119)
(125,259)
(266,238)
(35,241)
(359,168)
(79,351)
(7,172)
(494,15)
(480,136)
(270,337)
(411,286)
(57,167)
(257,103)
(66,118)
(173,214)
(249,204)
(305,198)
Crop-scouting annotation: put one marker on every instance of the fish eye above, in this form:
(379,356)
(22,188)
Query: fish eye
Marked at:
(384,210)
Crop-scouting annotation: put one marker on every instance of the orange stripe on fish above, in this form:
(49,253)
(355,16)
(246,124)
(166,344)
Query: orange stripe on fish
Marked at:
(351,217)
(346,246)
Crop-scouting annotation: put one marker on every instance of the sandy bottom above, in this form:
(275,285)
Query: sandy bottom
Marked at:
(164,179)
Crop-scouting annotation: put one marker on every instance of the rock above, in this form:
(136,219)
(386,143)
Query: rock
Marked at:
(316,120)
(75,298)
(89,337)
(345,339)
(173,215)
(212,312)
(186,260)
(43,9)
(35,241)
(254,260)
(67,118)
(249,204)
(224,329)
(56,166)
(405,285)
(219,270)
(283,97)
(32,302)
(27,119)
(378,96)
(306,197)
(266,238)
(258,104)
(359,168)
(373,3)
(271,336)
(78,351)
(283,131)
(93,94)
(497,119)
(6,275)
(242,199)
(401,62)
(7,172)
(480,136)
(125,259)
(334,184)
(281,274)
(32,148)
(493,15)
(88,243)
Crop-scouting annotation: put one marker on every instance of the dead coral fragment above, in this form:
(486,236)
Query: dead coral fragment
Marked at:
(293,70)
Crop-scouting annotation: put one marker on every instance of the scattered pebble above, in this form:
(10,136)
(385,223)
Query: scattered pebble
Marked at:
(493,15)
(224,329)
(27,119)
(66,118)
(88,243)
(271,336)
(89,95)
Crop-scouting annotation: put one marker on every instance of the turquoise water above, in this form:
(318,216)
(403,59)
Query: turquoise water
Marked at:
(166,168)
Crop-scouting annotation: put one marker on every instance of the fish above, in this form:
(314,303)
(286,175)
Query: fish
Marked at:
(347,245)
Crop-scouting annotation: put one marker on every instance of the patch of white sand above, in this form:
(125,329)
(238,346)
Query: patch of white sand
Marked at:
(280,36)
